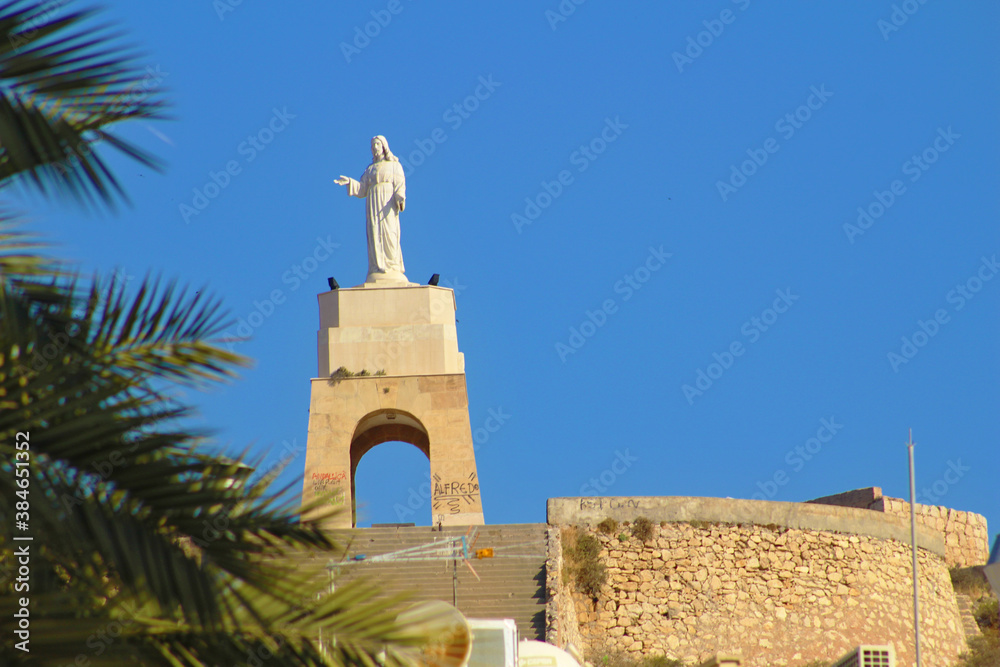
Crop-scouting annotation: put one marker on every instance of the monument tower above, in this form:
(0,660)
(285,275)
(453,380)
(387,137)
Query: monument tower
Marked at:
(389,369)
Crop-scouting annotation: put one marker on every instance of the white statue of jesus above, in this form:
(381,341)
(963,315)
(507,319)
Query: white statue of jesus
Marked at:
(384,187)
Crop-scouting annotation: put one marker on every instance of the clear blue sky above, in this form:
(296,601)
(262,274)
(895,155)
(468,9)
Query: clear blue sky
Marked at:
(715,155)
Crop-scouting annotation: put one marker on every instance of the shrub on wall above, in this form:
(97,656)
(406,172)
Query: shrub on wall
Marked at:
(988,615)
(591,574)
(642,529)
(984,651)
(622,659)
(970,581)
(584,566)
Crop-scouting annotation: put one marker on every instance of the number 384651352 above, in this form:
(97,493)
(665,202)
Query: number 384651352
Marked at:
(22,473)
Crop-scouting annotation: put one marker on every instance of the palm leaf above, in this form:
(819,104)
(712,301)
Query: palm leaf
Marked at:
(64,81)
(121,495)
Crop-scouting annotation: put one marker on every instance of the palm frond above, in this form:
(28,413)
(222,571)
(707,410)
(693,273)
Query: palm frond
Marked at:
(158,331)
(64,81)
(134,524)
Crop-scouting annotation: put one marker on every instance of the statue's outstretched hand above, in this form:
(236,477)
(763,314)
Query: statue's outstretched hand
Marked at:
(343,180)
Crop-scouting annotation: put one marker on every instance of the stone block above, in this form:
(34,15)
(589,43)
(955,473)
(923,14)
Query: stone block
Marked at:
(408,332)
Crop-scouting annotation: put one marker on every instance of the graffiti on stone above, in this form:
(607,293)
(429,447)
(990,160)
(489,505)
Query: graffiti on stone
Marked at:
(609,503)
(452,495)
(330,484)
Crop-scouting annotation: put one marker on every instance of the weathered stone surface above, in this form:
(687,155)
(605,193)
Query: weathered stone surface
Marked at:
(820,594)
(965,534)
(408,333)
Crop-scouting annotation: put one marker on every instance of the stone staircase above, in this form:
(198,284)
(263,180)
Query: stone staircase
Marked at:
(418,560)
(968,618)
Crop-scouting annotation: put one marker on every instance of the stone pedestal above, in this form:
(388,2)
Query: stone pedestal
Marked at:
(390,370)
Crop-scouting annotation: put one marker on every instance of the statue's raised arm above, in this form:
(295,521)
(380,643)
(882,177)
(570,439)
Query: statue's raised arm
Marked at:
(383,186)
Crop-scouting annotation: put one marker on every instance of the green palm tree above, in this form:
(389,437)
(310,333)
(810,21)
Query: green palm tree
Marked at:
(145,548)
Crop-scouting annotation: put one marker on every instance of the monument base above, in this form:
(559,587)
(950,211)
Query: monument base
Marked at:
(390,371)
(349,417)
(391,329)
(387,279)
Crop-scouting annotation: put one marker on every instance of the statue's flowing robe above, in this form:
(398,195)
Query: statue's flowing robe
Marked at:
(384,187)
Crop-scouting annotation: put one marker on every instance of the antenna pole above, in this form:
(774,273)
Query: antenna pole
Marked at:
(913,537)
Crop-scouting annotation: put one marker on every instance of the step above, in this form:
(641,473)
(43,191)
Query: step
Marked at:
(966,614)
(509,585)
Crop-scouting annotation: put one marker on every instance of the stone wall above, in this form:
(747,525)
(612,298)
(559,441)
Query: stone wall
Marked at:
(966,538)
(561,627)
(965,534)
(779,595)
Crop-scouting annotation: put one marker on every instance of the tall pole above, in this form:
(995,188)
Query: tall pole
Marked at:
(913,537)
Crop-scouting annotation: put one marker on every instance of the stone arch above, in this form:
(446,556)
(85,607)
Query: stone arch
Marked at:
(422,385)
(377,427)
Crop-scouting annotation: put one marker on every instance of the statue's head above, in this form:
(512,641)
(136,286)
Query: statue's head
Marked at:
(380,150)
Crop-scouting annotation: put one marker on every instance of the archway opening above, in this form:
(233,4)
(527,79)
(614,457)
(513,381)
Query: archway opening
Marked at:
(392,485)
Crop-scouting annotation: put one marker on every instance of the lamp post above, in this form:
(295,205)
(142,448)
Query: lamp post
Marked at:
(913,537)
